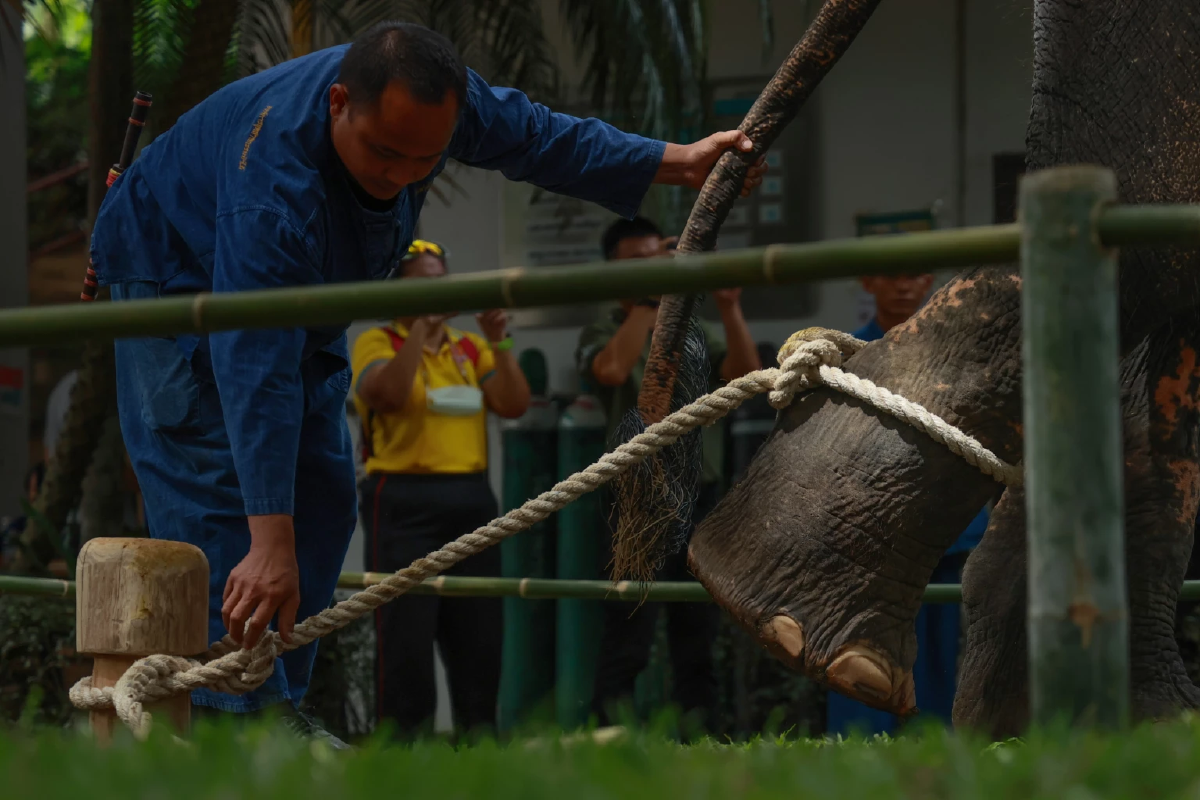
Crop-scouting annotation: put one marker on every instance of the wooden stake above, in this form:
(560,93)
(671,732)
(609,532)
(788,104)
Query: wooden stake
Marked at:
(1078,618)
(135,598)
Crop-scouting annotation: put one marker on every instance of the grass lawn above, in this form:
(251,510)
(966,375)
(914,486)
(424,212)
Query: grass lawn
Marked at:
(1149,762)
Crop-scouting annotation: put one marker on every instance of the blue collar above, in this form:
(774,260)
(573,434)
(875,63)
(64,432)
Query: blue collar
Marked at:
(870,332)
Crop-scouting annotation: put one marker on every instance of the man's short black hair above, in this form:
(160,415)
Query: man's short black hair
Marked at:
(626,229)
(427,63)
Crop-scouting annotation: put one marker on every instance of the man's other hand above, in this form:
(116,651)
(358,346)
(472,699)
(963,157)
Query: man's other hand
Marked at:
(266,581)
(689,164)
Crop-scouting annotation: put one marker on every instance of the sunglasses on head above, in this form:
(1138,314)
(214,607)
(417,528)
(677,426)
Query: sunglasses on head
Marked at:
(421,246)
(417,248)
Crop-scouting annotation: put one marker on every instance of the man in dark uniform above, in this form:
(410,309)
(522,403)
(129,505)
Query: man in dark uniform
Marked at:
(312,172)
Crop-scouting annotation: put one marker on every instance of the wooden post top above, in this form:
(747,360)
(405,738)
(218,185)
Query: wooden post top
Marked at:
(138,597)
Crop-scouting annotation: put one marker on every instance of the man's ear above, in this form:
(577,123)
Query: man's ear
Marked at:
(339,99)
(926,283)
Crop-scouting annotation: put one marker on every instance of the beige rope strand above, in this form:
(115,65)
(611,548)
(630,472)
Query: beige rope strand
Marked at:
(809,358)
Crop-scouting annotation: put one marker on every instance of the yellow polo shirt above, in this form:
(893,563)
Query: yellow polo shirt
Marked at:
(414,439)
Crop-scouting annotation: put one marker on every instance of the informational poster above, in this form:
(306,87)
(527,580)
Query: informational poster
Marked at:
(886,224)
(894,222)
(545,229)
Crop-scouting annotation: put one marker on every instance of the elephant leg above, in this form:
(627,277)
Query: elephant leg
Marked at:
(1162,480)
(993,685)
(1160,387)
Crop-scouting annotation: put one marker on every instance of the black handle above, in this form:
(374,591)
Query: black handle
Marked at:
(137,121)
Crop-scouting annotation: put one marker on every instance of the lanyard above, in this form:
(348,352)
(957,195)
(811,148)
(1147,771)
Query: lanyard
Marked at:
(460,361)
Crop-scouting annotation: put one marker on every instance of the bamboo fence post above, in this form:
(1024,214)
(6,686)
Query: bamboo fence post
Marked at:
(1078,619)
(135,598)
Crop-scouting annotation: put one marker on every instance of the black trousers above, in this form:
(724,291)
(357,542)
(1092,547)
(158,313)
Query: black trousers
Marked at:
(406,517)
(628,635)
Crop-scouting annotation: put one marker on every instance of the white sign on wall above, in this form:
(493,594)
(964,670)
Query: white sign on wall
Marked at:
(545,229)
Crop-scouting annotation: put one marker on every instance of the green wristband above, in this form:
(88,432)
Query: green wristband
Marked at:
(504,344)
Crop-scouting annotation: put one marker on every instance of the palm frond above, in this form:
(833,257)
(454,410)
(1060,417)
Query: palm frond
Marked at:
(160,37)
(263,36)
(46,17)
(364,14)
(513,47)
(645,64)
(446,184)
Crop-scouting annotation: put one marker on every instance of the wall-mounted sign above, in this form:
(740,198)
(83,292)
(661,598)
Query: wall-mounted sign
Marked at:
(894,222)
(545,229)
(770,213)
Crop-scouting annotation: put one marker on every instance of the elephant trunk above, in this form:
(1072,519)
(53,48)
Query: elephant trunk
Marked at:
(654,508)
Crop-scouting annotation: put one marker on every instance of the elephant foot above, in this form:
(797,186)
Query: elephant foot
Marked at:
(993,687)
(823,551)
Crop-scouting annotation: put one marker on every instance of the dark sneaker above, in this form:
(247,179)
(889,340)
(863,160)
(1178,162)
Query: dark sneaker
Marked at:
(306,727)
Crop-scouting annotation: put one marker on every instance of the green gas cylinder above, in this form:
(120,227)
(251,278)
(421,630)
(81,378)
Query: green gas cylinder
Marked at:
(529,445)
(581,441)
(750,425)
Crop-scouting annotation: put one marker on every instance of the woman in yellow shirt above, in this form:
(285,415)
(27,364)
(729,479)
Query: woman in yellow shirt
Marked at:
(423,390)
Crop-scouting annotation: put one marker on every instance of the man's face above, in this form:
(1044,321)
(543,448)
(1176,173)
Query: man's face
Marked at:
(394,143)
(898,296)
(640,247)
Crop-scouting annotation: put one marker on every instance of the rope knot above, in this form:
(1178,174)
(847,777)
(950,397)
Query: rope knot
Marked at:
(802,356)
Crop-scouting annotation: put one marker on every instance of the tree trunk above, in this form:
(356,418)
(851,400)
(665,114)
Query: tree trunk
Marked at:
(91,399)
(102,500)
(203,61)
(110,90)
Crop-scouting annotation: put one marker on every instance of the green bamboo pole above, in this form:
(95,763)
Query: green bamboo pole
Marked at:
(36,587)
(596,281)
(1078,620)
(509,288)
(529,588)
(1122,226)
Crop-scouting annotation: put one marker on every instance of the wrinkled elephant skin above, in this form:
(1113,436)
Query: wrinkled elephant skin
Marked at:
(1160,380)
(845,511)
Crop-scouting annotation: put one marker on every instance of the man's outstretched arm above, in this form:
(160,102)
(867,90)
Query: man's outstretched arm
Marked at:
(502,129)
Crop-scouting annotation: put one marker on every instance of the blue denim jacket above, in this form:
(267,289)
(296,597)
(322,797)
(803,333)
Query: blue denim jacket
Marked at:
(245,192)
(974,532)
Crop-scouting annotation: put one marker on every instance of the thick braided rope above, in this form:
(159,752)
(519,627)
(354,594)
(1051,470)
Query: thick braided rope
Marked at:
(809,358)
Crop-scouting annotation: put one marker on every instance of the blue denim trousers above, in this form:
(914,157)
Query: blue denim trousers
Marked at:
(175,435)
(935,671)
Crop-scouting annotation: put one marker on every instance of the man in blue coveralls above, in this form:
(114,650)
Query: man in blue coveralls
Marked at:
(311,172)
(897,297)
